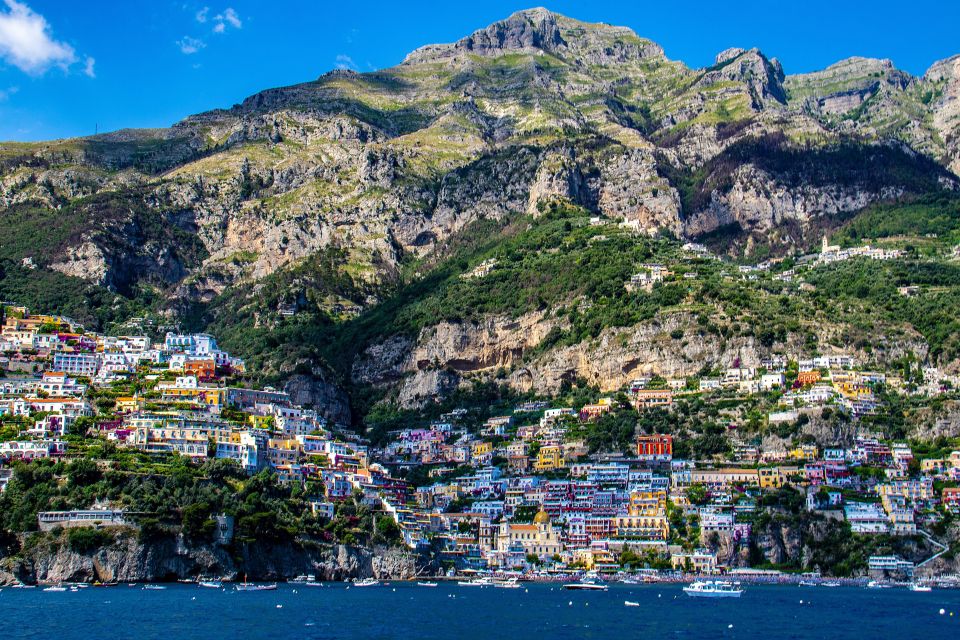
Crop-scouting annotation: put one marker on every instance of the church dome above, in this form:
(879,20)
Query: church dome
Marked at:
(542,517)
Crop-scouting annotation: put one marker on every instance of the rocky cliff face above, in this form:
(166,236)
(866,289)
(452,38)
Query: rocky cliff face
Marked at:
(128,560)
(448,353)
(391,165)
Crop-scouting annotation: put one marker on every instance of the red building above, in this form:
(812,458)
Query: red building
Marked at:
(655,447)
(951,499)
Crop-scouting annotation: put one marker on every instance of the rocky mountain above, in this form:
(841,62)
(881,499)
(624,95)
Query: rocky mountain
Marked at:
(332,195)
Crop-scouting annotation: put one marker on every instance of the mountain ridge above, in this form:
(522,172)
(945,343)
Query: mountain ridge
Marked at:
(333,195)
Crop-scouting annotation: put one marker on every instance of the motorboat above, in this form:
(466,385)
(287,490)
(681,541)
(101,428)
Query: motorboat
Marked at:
(154,587)
(585,585)
(874,584)
(476,582)
(426,584)
(244,586)
(629,603)
(210,584)
(305,580)
(55,588)
(920,588)
(368,582)
(713,589)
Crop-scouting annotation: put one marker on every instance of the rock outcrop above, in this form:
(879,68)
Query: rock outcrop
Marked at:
(166,559)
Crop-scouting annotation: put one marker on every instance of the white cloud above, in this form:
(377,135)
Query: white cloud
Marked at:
(202,15)
(231,16)
(345,62)
(88,67)
(190,45)
(26,41)
(6,93)
(228,18)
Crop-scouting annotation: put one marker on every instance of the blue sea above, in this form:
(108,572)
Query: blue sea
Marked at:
(410,612)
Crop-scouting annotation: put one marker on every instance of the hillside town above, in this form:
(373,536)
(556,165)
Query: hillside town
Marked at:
(522,491)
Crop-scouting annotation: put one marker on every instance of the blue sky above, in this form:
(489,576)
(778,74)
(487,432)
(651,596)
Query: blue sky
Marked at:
(68,66)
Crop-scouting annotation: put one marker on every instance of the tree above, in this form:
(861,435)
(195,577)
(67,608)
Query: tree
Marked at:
(697,494)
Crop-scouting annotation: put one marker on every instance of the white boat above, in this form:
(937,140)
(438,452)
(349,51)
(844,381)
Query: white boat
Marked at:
(713,589)
(55,588)
(585,585)
(369,582)
(831,584)
(920,588)
(808,583)
(250,586)
(154,587)
(304,580)
(476,582)
(210,584)
(20,585)
(512,583)
(628,603)
(873,584)
(426,584)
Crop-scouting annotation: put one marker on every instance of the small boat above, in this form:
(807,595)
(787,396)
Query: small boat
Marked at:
(210,584)
(920,588)
(154,587)
(20,585)
(426,584)
(369,582)
(55,588)
(249,586)
(629,581)
(585,585)
(713,589)
(873,584)
(830,584)
(305,581)
(476,582)
(106,584)
(628,603)
(808,583)
(512,583)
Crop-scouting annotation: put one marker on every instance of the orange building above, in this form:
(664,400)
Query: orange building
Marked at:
(647,398)
(808,377)
(201,367)
(658,447)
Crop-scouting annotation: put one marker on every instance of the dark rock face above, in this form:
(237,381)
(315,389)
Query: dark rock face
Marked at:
(329,400)
(536,28)
(169,558)
(764,77)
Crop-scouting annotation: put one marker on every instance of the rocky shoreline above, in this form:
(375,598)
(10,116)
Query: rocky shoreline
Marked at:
(173,558)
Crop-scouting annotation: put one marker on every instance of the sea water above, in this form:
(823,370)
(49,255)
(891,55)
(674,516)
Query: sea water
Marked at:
(410,612)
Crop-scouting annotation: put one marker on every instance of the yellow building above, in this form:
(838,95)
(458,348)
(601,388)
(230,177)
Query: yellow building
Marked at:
(647,503)
(481,449)
(550,457)
(539,538)
(129,404)
(725,477)
(261,422)
(805,452)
